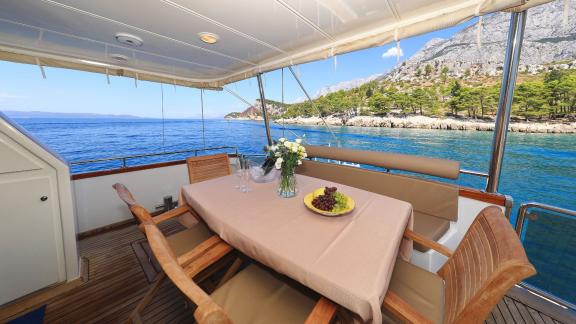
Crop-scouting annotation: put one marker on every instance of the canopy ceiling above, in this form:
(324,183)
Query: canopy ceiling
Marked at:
(254,35)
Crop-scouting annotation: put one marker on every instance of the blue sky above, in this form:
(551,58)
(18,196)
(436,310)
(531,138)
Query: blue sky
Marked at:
(22,87)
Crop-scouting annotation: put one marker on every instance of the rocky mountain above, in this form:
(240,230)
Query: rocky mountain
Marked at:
(549,37)
(255,111)
(346,85)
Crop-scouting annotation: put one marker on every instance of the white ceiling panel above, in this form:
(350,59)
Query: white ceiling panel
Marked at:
(337,17)
(254,35)
(58,43)
(17,34)
(265,20)
(53,18)
(156,19)
(409,9)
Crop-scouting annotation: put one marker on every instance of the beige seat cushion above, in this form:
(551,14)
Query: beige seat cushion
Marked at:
(429,226)
(187,239)
(423,290)
(257,296)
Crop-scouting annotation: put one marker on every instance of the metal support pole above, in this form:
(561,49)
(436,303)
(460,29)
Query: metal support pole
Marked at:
(312,103)
(510,70)
(203,127)
(264,111)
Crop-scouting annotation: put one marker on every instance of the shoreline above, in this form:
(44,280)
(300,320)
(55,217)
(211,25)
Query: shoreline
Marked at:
(424,122)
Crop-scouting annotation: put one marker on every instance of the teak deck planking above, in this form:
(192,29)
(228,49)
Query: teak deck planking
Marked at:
(116,283)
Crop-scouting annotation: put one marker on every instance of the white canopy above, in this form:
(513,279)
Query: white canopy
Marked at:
(254,35)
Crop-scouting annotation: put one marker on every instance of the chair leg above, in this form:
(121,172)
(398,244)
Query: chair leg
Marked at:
(135,315)
(230,272)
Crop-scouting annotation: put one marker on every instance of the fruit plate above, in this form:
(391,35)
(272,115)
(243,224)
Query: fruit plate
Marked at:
(320,191)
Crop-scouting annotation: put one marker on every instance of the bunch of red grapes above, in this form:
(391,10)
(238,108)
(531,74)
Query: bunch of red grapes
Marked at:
(326,201)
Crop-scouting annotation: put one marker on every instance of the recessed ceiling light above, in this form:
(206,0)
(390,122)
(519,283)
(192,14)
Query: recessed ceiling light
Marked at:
(119,58)
(208,38)
(129,39)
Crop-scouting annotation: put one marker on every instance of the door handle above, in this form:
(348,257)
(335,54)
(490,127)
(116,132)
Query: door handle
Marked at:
(44,198)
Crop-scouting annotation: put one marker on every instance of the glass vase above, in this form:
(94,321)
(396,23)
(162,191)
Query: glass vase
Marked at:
(287,183)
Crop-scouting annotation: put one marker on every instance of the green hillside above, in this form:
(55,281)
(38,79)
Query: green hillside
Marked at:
(544,96)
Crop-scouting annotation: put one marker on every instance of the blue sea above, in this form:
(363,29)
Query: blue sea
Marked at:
(537,167)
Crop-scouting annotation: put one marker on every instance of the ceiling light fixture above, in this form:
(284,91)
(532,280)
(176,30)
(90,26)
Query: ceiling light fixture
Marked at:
(129,39)
(119,58)
(208,38)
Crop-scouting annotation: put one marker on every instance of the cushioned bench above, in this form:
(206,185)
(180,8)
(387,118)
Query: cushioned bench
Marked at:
(435,203)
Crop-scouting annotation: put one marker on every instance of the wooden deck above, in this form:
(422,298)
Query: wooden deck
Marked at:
(116,282)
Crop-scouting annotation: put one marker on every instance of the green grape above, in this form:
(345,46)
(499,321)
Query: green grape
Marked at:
(341,202)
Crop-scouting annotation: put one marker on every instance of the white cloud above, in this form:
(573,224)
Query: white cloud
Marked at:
(392,52)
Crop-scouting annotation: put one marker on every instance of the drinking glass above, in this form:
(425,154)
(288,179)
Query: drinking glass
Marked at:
(238,173)
(245,176)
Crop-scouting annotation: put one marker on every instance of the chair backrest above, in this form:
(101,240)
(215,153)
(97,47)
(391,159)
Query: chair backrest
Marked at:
(489,260)
(138,212)
(124,194)
(207,311)
(207,167)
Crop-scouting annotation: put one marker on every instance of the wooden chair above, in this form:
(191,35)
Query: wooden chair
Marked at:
(489,260)
(207,167)
(254,295)
(180,242)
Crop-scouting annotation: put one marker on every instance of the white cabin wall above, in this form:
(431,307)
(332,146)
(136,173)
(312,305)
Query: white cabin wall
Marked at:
(97,204)
(28,171)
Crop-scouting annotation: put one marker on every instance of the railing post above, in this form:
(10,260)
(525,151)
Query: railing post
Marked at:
(264,111)
(510,70)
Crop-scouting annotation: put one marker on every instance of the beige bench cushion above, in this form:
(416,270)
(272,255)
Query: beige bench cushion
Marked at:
(414,163)
(429,197)
(257,296)
(422,290)
(429,226)
(187,239)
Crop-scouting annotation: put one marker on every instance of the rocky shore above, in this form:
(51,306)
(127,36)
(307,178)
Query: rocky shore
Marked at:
(435,123)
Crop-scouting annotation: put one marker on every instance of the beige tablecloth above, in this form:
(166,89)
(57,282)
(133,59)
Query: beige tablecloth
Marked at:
(348,259)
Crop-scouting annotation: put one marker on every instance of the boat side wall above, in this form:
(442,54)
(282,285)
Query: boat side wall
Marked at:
(97,204)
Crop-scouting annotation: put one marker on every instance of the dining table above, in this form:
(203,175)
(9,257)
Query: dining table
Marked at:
(348,259)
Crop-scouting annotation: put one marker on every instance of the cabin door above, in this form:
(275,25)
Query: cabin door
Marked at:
(31,247)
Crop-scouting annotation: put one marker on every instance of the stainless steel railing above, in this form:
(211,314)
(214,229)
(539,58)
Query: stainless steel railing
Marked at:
(564,217)
(474,173)
(532,204)
(124,159)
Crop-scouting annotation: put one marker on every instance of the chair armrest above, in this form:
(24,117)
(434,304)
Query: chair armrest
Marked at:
(323,312)
(204,255)
(427,242)
(170,214)
(208,311)
(401,309)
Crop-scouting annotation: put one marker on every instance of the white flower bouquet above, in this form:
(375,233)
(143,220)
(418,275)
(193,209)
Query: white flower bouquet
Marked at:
(287,156)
